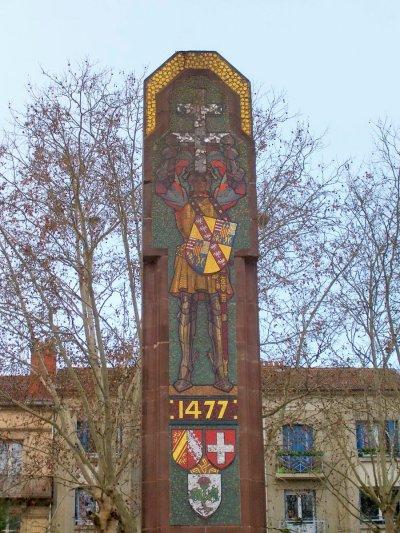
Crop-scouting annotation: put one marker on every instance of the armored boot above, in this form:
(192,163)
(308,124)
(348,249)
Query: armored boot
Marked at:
(217,357)
(187,327)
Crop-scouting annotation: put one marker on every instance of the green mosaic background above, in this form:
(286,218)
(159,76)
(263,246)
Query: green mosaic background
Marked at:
(228,512)
(167,235)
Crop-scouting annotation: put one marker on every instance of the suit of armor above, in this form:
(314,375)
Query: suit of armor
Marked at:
(195,199)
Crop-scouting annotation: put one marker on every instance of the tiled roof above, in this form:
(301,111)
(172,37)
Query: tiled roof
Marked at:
(67,386)
(14,386)
(25,387)
(274,378)
(343,379)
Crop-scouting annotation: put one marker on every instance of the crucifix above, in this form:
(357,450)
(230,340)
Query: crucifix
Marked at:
(200,137)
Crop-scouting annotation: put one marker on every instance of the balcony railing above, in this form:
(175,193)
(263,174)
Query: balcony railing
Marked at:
(20,486)
(303,526)
(304,462)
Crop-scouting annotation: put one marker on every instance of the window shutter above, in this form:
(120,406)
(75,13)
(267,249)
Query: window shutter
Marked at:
(296,438)
(15,457)
(3,457)
(360,435)
(287,433)
(307,505)
(309,438)
(303,440)
(392,434)
(82,429)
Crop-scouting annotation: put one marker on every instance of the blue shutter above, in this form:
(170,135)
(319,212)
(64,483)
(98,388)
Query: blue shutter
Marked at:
(298,438)
(392,432)
(82,428)
(309,438)
(303,438)
(287,433)
(360,435)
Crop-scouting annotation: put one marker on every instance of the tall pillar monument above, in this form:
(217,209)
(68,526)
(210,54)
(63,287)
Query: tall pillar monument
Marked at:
(203,466)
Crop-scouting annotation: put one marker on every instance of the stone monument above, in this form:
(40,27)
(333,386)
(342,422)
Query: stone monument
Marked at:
(203,466)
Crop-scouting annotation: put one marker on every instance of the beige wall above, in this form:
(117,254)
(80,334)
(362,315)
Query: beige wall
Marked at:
(32,490)
(333,419)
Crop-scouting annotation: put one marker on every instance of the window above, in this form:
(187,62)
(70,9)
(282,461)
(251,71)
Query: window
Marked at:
(298,454)
(298,438)
(368,441)
(367,436)
(300,506)
(11,524)
(85,438)
(10,518)
(10,458)
(392,436)
(85,506)
(370,511)
(82,428)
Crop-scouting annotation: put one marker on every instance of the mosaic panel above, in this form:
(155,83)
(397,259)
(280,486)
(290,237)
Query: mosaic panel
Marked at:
(195,60)
(200,213)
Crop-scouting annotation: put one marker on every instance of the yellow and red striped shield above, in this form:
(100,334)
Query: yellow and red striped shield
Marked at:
(187,447)
(209,246)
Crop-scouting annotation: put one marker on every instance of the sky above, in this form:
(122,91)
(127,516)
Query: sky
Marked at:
(336,60)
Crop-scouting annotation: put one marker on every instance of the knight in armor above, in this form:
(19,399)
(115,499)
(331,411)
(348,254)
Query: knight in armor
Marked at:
(194,195)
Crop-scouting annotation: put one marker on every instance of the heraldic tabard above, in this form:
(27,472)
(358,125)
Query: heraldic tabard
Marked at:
(202,436)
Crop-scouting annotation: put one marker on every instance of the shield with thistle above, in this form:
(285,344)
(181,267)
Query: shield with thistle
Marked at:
(204,488)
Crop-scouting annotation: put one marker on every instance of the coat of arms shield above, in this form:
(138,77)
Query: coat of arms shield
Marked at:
(220,447)
(204,488)
(209,246)
(187,447)
(204,492)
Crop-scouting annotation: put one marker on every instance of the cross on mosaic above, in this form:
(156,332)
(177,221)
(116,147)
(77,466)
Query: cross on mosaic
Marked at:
(200,245)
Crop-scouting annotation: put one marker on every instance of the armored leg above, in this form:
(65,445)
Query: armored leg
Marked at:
(217,357)
(187,328)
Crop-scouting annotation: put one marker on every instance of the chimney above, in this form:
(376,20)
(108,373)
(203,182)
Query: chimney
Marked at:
(43,364)
(43,358)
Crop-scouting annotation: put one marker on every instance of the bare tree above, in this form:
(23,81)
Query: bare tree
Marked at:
(368,305)
(300,237)
(70,272)
(369,301)
(361,329)
(362,432)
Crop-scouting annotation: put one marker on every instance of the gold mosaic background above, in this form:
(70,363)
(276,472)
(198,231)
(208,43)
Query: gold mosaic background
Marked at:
(197,60)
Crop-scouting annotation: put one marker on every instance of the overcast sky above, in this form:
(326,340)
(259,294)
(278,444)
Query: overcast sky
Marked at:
(337,60)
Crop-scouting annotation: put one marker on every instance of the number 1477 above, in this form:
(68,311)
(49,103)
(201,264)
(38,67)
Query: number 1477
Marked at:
(203,409)
(194,410)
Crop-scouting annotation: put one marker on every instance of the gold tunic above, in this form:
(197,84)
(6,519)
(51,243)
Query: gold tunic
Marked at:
(185,279)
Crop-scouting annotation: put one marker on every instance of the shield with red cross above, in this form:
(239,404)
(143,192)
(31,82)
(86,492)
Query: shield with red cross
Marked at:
(209,246)
(220,446)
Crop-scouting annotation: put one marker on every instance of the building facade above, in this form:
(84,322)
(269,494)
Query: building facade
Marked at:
(42,489)
(330,435)
(332,443)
